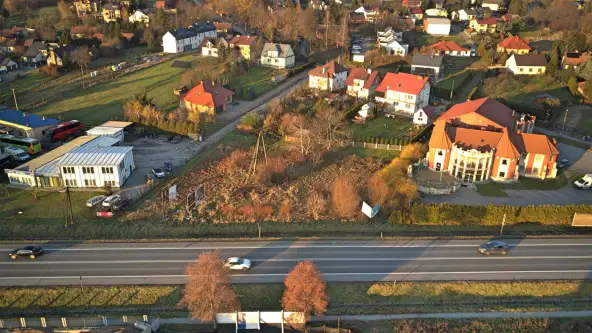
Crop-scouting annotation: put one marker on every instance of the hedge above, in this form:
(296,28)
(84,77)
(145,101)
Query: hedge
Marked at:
(447,214)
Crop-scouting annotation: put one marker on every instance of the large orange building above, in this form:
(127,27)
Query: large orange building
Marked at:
(483,140)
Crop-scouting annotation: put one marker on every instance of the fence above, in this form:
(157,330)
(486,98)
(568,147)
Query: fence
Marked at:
(357,144)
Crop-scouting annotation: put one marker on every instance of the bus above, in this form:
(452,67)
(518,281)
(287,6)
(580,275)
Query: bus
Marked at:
(31,146)
(65,129)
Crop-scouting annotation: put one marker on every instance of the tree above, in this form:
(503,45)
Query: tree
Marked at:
(572,84)
(344,197)
(482,49)
(208,289)
(574,41)
(305,290)
(518,7)
(503,57)
(12,6)
(65,11)
(81,56)
(330,127)
(503,27)
(378,190)
(316,204)
(553,64)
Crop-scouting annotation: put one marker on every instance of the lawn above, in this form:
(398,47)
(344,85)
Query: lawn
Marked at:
(21,86)
(585,122)
(258,79)
(497,189)
(382,127)
(374,153)
(452,84)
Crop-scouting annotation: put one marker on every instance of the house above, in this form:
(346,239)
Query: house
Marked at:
(35,55)
(483,140)
(56,56)
(187,39)
(7,65)
(404,92)
(83,32)
(527,64)
(494,5)
(362,82)
(366,110)
(388,35)
(514,44)
(29,125)
(139,17)
(356,18)
(8,45)
(87,7)
(395,48)
(111,12)
(416,13)
(436,12)
(575,59)
(464,15)
(329,77)
(411,3)
(213,47)
(484,25)
(357,53)
(207,97)
(448,48)
(370,12)
(277,56)
(427,65)
(424,116)
(223,29)
(437,26)
(245,44)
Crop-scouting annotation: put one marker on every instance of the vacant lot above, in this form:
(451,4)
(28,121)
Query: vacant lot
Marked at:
(382,127)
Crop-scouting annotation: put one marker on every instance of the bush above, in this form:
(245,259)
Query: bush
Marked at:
(344,197)
(251,121)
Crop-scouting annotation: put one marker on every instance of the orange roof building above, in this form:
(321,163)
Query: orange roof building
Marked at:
(207,97)
(448,48)
(484,140)
(362,82)
(514,44)
(404,92)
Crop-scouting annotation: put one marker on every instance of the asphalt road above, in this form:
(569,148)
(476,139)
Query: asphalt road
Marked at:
(163,263)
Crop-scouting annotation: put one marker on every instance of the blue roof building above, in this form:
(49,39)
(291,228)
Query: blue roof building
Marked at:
(27,124)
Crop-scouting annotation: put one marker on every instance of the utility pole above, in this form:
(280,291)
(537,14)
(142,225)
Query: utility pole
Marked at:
(69,214)
(564,120)
(452,90)
(503,223)
(14,96)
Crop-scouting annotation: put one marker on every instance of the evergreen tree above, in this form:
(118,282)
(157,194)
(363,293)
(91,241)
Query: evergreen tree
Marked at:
(553,64)
(572,84)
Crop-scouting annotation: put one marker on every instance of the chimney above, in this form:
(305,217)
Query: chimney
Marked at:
(369,71)
(324,70)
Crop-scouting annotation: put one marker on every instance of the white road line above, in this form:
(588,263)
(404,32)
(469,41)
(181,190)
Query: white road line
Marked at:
(284,274)
(477,257)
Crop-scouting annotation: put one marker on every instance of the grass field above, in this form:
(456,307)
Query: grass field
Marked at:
(585,122)
(258,79)
(497,189)
(365,296)
(375,153)
(382,127)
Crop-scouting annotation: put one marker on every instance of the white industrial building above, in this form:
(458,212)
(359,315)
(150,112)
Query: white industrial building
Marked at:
(112,132)
(96,166)
(187,39)
(439,26)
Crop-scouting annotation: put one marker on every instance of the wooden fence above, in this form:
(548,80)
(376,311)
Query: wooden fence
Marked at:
(357,144)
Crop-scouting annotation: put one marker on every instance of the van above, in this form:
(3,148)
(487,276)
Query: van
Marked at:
(17,154)
(95,201)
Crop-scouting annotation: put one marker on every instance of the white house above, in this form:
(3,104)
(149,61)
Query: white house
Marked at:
(429,65)
(211,47)
(395,48)
(436,12)
(7,65)
(139,17)
(424,116)
(404,92)
(362,82)
(464,15)
(96,166)
(187,39)
(494,5)
(277,56)
(527,64)
(330,77)
(370,12)
(366,110)
(437,26)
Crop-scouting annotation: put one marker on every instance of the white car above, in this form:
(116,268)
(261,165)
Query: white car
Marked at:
(95,201)
(238,264)
(110,200)
(158,173)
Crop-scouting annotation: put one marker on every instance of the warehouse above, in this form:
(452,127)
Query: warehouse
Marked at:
(112,132)
(27,125)
(96,166)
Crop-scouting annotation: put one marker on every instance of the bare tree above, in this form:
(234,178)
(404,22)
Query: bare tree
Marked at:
(316,204)
(344,197)
(81,56)
(208,289)
(305,290)
(331,127)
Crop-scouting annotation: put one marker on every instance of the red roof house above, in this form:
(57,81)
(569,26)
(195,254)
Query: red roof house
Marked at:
(404,92)
(514,44)
(449,48)
(207,97)
(362,82)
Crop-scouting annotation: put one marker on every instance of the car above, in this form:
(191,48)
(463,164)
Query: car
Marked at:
(177,139)
(563,163)
(95,201)
(29,251)
(121,205)
(493,247)
(111,200)
(237,264)
(158,173)
(168,166)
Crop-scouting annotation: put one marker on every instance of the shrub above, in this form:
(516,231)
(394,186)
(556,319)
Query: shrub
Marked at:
(251,121)
(344,197)
(378,190)
(316,204)
(285,211)
(414,152)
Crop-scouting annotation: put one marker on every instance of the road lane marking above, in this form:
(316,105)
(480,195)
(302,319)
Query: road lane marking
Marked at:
(477,257)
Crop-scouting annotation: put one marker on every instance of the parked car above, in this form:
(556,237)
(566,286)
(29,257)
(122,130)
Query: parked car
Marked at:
(584,183)
(238,264)
(122,205)
(111,200)
(563,163)
(168,166)
(180,91)
(95,201)
(29,251)
(158,173)
(177,139)
(17,154)
(493,247)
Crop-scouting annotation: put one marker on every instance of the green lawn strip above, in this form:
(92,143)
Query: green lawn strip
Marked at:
(21,85)
(575,143)
(382,127)
(361,295)
(497,189)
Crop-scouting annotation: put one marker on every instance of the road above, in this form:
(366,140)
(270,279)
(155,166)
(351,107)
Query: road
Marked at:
(163,263)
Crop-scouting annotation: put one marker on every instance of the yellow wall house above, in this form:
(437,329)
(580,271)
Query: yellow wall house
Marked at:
(245,45)
(527,64)
(484,25)
(111,12)
(207,97)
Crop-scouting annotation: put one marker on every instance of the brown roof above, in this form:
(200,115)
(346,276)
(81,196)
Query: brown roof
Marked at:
(430,112)
(576,58)
(367,75)
(537,60)
(536,144)
(28,42)
(440,138)
(223,25)
(488,21)
(83,30)
(327,70)
(514,43)
(487,107)
(128,35)
(447,46)
(468,138)
(243,40)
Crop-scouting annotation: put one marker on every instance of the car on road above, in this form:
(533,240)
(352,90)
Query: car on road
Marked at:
(238,264)
(90,203)
(177,139)
(158,173)
(563,163)
(28,251)
(168,166)
(111,200)
(584,183)
(493,247)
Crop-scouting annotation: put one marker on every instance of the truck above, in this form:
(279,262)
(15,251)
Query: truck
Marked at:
(584,183)
(17,154)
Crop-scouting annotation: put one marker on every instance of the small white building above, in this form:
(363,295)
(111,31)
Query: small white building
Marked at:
(139,17)
(464,15)
(277,56)
(366,110)
(329,77)
(187,39)
(395,48)
(494,5)
(424,116)
(112,132)
(96,167)
(437,26)
(436,12)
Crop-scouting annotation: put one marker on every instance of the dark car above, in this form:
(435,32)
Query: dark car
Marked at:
(493,247)
(29,251)
(122,205)
(168,166)
(563,163)
(177,139)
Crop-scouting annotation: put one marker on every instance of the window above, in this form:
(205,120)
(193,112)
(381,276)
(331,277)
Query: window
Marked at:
(530,70)
(504,161)
(71,182)
(440,153)
(90,182)
(107,170)
(109,183)
(502,174)
(88,170)
(68,170)
(540,70)
(521,69)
